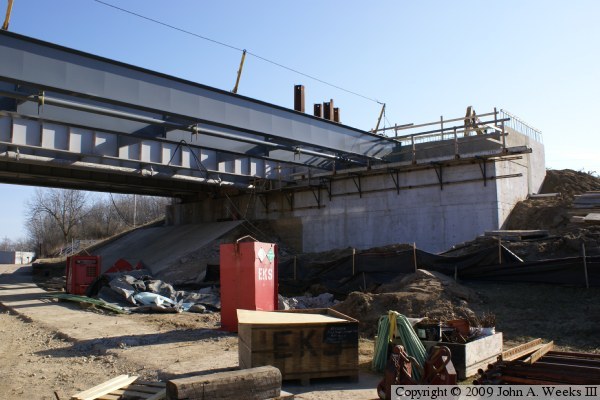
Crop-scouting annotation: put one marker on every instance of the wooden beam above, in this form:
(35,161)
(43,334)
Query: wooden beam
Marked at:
(539,353)
(521,350)
(254,383)
(105,388)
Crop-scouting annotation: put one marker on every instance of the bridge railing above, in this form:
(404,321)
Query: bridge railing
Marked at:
(422,138)
(519,125)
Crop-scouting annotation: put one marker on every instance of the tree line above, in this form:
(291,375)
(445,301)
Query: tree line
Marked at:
(58,217)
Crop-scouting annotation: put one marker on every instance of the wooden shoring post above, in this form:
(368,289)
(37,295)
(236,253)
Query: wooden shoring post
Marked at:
(414,149)
(353,261)
(380,117)
(442,126)
(415,255)
(396,130)
(239,73)
(7,18)
(585,270)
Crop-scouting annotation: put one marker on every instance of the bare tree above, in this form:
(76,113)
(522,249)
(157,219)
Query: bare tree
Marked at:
(65,208)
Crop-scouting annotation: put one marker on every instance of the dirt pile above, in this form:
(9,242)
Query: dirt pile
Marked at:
(552,213)
(568,182)
(421,294)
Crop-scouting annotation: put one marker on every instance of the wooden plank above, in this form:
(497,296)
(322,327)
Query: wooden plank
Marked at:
(109,397)
(255,383)
(518,233)
(521,350)
(539,353)
(274,317)
(104,388)
(159,395)
(153,384)
(143,388)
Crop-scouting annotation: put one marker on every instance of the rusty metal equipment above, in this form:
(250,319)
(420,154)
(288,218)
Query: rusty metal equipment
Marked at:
(535,363)
(438,370)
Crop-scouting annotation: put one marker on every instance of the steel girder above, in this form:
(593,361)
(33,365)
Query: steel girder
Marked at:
(223,120)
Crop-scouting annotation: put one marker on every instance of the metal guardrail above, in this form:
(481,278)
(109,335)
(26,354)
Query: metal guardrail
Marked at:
(518,125)
(75,246)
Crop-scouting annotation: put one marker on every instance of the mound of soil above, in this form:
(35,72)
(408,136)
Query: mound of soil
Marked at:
(422,294)
(568,182)
(552,213)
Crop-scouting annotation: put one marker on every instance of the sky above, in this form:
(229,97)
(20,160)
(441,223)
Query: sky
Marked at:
(426,59)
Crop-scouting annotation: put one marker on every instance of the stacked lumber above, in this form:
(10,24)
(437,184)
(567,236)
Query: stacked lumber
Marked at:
(586,208)
(535,363)
(124,387)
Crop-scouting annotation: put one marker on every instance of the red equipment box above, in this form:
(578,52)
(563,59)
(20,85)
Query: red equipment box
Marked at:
(248,280)
(81,272)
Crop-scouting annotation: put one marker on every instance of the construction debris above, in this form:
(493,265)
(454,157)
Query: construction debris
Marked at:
(87,300)
(535,363)
(104,388)
(518,234)
(137,291)
(324,300)
(250,384)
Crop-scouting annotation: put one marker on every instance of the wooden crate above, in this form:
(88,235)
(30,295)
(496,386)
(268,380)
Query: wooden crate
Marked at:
(469,357)
(303,344)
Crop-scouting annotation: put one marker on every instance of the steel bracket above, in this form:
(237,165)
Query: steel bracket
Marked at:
(327,184)
(316,191)
(483,167)
(264,200)
(357,183)
(394,174)
(290,198)
(439,171)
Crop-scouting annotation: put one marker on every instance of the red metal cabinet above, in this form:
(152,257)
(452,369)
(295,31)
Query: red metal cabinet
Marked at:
(248,280)
(81,272)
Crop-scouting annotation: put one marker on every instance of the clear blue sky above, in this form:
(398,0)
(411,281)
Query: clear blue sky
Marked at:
(538,59)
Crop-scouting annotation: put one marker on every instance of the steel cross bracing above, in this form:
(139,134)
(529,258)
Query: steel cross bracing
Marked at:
(69,109)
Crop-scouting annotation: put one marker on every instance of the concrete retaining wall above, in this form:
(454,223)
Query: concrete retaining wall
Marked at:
(433,216)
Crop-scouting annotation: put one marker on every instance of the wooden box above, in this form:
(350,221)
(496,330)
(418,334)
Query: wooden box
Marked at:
(469,357)
(303,344)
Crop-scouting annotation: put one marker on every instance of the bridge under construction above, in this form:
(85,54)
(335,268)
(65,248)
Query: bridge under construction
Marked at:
(75,120)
